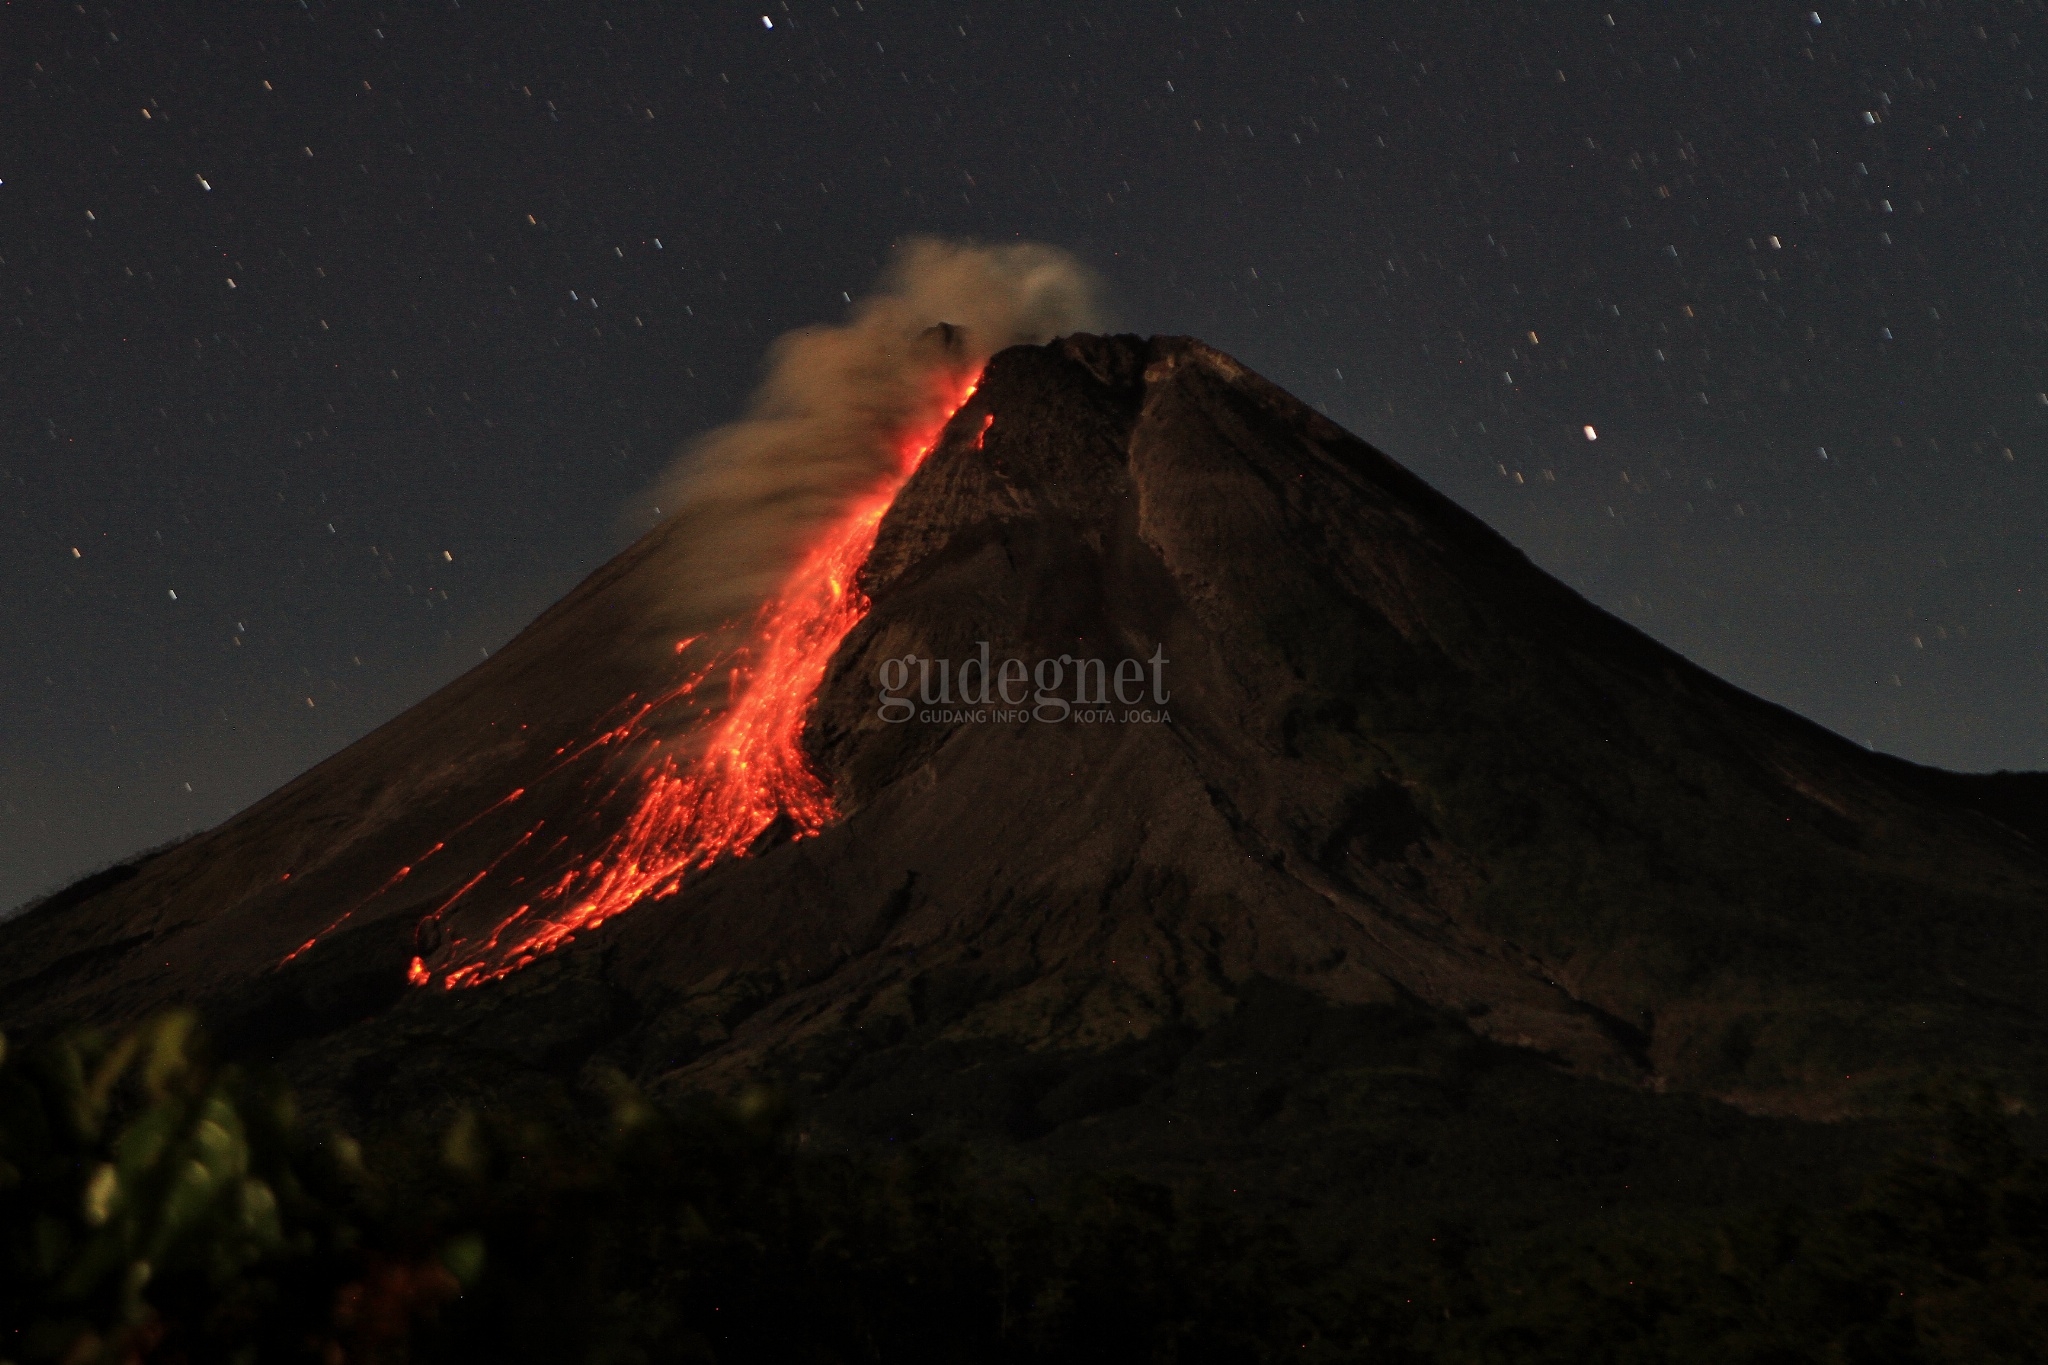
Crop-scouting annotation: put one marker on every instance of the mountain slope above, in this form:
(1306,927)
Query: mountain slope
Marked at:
(1412,841)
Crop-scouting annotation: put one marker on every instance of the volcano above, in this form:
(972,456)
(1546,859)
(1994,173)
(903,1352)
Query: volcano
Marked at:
(1183,784)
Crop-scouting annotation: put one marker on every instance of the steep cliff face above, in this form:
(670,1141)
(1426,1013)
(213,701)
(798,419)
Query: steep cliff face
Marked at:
(1297,763)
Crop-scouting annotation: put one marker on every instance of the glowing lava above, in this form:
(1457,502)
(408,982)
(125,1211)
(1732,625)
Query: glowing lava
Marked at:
(742,771)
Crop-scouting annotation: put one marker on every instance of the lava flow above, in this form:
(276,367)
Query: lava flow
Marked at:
(741,771)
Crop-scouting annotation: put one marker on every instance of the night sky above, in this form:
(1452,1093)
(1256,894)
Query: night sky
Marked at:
(338,341)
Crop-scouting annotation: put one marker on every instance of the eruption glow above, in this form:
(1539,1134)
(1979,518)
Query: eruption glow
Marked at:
(752,773)
(736,776)
(775,515)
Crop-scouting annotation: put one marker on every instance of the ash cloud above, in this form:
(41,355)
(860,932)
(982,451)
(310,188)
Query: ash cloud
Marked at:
(825,425)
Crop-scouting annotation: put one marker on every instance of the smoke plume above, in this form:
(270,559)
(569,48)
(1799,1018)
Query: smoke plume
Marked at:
(827,422)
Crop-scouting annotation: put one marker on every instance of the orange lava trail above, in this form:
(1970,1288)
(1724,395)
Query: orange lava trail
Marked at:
(749,772)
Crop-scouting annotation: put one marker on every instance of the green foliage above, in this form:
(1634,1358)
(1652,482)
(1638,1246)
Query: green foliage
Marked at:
(132,1178)
(158,1208)
(154,1207)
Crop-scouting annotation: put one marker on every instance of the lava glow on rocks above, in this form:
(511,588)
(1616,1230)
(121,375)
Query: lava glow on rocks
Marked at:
(736,773)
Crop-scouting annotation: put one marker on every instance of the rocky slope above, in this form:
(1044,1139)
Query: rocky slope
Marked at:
(1409,845)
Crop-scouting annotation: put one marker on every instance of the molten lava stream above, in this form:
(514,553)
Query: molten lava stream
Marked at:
(749,772)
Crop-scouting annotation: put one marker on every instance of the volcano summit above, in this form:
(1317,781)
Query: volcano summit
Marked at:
(1412,855)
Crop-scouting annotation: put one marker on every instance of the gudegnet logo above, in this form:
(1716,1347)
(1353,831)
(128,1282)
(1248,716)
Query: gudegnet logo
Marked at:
(1052,690)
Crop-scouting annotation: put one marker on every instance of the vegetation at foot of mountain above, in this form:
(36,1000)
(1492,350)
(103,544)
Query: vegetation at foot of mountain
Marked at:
(157,1207)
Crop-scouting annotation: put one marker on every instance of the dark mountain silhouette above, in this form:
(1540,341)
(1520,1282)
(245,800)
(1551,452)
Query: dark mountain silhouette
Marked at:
(1435,869)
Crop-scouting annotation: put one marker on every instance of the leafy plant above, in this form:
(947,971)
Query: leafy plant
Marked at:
(157,1207)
